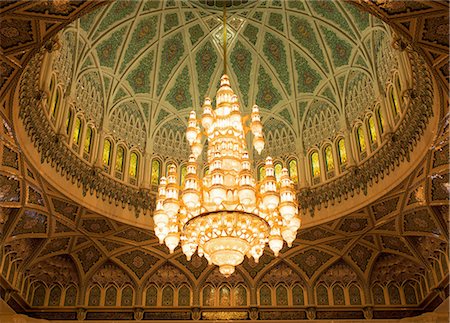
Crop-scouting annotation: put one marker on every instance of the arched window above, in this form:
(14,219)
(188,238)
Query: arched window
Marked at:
(151,296)
(240,296)
(265,296)
(107,154)
(39,295)
(70,298)
(184,296)
(133,169)
(120,158)
(55,296)
(156,172)
(329,162)
(342,153)
(398,84)
(372,132)
(355,295)
(77,129)
(183,172)
(322,295)
(51,93)
(380,120)
(126,298)
(168,167)
(378,295)
(54,105)
(94,296)
(394,295)
(224,296)
(261,173)
(88,143)
(167,296)
(111,296)
(293,171)
(278,168)
(69,120)
(338,295)
(410,294)
(394,101)
(298,297)
(361,142)
(315,167)
(209,296)
(281,296)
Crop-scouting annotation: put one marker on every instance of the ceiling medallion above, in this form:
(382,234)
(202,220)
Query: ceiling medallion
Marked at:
(227,215)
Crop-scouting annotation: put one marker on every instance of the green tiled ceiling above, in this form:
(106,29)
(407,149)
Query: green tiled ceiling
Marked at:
(166,56)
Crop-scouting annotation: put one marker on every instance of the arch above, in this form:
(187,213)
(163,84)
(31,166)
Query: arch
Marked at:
(315,166)
(151,296)
(184,296)
(39,295)
(281,295)
(410,293)
(398,85)
(133,169)
(107,150)
(167,298)
(70,297)
(394,294)
(298,296)
(261,173)
(183,171)
(329,160)
(240,295)
(76,133)
(342,153)
(55,104)
(338,295)
(322,295)
(51,91)
(395,105)
(265,295)
(111,296)
(354,294)
(208,296)
(126,298)
(293,170)
(69,120)
(119,163)
(94,296)
(278,167)
(225,296)
(55,296)
(372,131)
(88,140)
(156,171)
(360,139)
(380,118)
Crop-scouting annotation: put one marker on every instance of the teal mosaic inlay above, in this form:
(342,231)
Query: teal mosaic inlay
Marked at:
(107,49)
(173,50)
(139,78)
(361,18)
(328,93)
(296,5)
(308,78)
(87,20)
(286,115)
(118,11)
(276,21)
(251,33)
(87,63)
(180,96)
(151,5)
(276,54)
(306,37)
(146,109)
(330,11)
(170,21)
(258,15)
(161,116)
(361,61)
(341,49)
(267,96)
(205,63)
(188,16)
(241,62)
(121,93)
(302,108)
(143,34)
(196,32)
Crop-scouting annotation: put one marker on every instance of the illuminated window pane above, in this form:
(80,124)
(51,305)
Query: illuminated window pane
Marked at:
(361,140)
(156,170)
(278,169)
(265,296)
(206,172)
(167,296)
(119,159)
(168,167)
(184,296)
(281,296)
(208,296)
(315,164)
(224,296)
(342,152)
(55,104)
(380,120)
(106,152)
(329,158)
(77,131)
(183,174)
(241,296)
(293,171)
(151,296)
(69,120)
(88,141)
(394,101)
(261,173)
(50,95)
(398,84)
(134,164)
(372,130)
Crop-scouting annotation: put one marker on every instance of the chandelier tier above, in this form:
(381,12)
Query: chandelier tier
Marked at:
(227,215)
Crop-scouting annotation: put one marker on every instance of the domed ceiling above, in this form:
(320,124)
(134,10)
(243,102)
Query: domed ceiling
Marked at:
(152,61)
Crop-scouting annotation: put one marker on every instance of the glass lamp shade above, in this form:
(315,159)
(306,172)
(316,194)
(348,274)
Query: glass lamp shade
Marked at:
(172,240)
(258,143)
(275,244)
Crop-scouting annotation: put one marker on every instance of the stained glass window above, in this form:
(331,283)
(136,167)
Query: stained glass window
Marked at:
(361,140)
(297,295)
(355,295)
(88,141)
(94,296)
(55,296)
(168,167)
(111,296)
(224,296)
(127,296)
(156,171)
(69,120)
(55,104)
(338,295)
(341,151)
(261,173)
(241,296)
(394,295)
(71,296)
(410,294)
(278,168)
(315,164)
(134,164)
(183,174)
(398,84)
(293,171)
(77,131)
(208,296)
(184,296)
(394,101)
(322,295)
(372,130)
(282,297)
(106,152)
(265,296)
(167,296)
(39,296)
(329,158)
(380,120)
(120,155)
(151,296)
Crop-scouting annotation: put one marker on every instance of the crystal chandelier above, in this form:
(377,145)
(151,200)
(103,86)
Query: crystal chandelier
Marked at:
(227,215)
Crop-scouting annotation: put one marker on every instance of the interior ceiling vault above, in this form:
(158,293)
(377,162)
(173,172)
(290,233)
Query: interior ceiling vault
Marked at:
(53,239)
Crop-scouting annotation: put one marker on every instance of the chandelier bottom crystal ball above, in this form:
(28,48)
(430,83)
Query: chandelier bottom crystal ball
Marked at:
(227,215)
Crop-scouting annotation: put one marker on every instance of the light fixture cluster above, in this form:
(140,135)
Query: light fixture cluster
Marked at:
(227,215)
